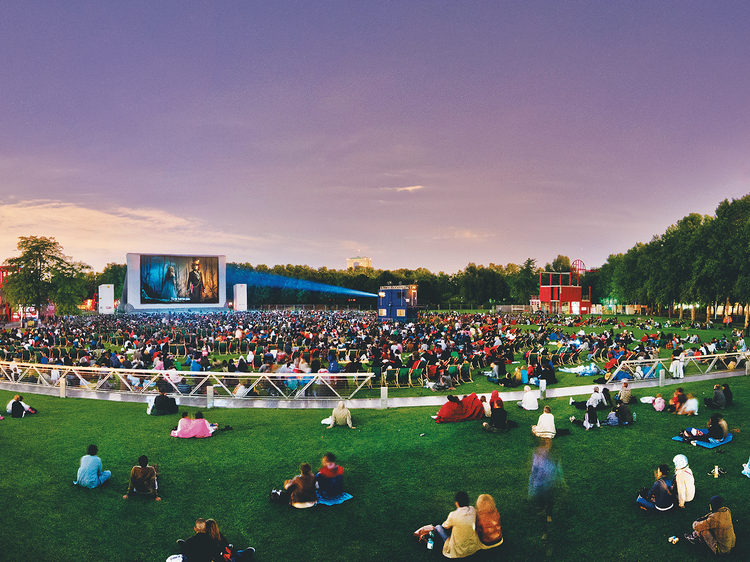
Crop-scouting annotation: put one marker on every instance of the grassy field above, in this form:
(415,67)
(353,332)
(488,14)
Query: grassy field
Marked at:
(400,480)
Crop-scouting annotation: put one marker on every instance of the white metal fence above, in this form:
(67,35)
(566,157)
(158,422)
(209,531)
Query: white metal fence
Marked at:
(237,386)
(687,366)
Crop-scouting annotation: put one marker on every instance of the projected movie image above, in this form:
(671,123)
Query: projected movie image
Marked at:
(179,280)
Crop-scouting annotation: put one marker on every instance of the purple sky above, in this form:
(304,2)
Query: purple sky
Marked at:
(418,133)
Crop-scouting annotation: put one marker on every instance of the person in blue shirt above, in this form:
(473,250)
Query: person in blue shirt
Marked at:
(90,474)
(661,495)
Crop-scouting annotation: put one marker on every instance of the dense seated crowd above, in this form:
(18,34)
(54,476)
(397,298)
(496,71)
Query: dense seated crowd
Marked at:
(446,347)
(353,342)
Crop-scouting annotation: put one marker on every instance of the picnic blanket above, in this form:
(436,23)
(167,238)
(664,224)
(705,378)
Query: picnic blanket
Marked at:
(334,501)
(705,444)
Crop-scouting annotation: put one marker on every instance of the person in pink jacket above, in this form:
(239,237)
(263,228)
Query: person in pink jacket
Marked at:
(199,427)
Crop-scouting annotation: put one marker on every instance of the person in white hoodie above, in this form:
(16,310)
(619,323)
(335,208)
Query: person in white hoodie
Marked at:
(684,482)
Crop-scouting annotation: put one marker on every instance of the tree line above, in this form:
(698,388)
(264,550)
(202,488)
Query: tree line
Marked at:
(701,260)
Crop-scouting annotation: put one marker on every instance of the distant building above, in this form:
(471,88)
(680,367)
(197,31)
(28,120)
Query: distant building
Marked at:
(359,261)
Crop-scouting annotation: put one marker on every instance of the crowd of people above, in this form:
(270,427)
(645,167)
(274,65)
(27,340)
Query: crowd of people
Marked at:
(480,339)
(484,341)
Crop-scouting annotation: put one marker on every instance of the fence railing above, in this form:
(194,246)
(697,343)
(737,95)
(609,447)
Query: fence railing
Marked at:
(689,365)
(238,386)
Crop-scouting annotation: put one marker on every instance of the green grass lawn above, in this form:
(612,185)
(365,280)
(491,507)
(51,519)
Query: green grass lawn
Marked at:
(400,481)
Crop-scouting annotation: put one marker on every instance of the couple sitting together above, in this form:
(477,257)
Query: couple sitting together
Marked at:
(198,427)
(326,487)
(467,529)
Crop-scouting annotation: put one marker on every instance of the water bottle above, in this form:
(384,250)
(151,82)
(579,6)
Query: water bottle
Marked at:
(430,542)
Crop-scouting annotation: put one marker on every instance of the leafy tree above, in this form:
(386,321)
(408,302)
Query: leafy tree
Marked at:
(609,289)
(680,245)
(68,288)
(525,283)
(113,274)
(560,264)
(41,261)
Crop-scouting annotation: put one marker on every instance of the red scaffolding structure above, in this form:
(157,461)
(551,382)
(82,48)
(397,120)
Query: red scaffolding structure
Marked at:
(561,292)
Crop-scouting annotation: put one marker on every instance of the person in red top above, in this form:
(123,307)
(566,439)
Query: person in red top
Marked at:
(330,482)
(455,410)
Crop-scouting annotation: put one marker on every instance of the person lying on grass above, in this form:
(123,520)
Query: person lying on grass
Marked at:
(717,431)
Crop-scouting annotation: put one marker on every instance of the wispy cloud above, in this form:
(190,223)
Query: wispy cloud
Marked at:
(102,236)
(410,188)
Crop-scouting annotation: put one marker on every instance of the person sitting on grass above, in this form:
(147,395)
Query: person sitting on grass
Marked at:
(660,497)
(330,482)
(301,488)
(143,480)
(624,415)
(718,400)
(659,403)
(457,533)
(612,419)
(164,405)
(624,395)
(717,431)
(596,400)
(341,416)
(590,419)
(488,522)
(498,415)
(727,394)
(197,427)
(677,401)
(684,482)
(714,529)
(209,545)
(545,426)
(528,401)
(690,407)
(90,473)
(444,382)
(18,409)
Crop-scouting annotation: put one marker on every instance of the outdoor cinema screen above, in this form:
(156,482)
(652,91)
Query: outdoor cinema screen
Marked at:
(179,280)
